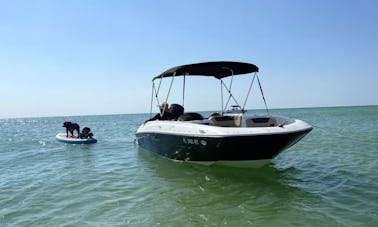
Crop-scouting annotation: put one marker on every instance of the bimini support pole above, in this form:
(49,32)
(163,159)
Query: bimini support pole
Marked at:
(228,89)
(152,98)
(230,96)
(170,86)
(156,91)
(183,90)
(169,91)
(262,93)
(221,84)
(249,90)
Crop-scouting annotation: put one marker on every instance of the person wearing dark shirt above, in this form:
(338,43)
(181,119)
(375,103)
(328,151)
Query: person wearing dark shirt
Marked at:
(86,133)
(71,127)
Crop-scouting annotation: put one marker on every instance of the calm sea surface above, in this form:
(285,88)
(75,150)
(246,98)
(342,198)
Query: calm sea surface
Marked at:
(330,178)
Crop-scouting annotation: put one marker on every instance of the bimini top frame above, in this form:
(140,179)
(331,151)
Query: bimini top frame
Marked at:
(217,69)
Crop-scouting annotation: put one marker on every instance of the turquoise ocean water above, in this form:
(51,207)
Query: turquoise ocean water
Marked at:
(330,178)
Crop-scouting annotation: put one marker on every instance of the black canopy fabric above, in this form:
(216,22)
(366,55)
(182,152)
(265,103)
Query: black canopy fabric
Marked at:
(217,69)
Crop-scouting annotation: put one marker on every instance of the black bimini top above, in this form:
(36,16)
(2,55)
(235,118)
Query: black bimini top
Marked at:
(217,69)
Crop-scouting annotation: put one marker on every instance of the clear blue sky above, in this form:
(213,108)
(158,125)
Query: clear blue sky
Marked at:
(86,57)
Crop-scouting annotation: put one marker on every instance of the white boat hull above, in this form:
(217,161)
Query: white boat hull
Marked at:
(208,144)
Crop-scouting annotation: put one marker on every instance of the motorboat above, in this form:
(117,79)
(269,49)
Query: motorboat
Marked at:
(230,137)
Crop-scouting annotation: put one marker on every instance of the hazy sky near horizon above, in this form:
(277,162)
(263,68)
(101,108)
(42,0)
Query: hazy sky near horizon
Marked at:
(88,57)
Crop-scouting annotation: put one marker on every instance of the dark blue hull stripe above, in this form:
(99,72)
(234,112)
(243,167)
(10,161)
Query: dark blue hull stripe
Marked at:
(233,148)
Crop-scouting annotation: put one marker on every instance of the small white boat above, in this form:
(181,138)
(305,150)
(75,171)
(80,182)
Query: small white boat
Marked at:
(62,137)
(231,138)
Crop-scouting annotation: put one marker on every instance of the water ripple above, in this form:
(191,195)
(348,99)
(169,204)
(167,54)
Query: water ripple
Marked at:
(328,179)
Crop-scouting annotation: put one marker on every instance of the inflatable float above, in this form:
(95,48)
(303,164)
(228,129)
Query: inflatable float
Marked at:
(62,137)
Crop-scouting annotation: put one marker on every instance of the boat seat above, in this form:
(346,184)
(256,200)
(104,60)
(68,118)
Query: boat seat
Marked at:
(261,122)
(202,122)
(190,116)
(226,121)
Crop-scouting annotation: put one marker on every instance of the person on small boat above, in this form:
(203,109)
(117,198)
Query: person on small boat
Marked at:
(86,133)
(165,113)
(71,127)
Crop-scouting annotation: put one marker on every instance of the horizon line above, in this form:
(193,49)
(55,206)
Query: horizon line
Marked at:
(110,114)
